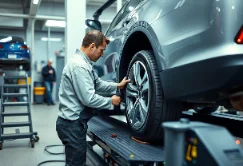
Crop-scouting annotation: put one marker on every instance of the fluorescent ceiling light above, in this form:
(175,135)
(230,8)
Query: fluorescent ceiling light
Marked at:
(35,2)
(54,23)
(51,39)
(7,39)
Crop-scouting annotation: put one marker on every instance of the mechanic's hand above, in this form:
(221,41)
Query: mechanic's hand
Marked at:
(50,71)
(116,100)
(123,83)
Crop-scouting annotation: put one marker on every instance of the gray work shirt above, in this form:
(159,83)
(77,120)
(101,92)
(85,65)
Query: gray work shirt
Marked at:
(77,88)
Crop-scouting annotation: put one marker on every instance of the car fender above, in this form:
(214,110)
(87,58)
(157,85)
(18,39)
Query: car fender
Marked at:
(148,31)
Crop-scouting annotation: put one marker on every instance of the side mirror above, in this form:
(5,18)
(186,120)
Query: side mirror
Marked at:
(94,24)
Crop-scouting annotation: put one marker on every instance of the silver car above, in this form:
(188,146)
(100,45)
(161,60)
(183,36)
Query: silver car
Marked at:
(179,54)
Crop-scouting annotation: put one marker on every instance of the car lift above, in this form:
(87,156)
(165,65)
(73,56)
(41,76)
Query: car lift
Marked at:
(229,121)
(114,138)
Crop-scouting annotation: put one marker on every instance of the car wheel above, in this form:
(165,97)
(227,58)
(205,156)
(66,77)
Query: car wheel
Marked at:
(146,107)
(26,67)
(206,110)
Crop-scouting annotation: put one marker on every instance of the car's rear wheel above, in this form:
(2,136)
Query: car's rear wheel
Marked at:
(146,106)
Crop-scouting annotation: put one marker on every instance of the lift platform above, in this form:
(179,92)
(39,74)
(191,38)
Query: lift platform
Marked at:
(115,138)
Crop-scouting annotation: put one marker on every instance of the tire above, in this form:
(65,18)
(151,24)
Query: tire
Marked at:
(26,67)
(36,138)
(206,110)
(146,106)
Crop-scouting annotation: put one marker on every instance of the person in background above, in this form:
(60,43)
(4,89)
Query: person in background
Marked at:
(49,78)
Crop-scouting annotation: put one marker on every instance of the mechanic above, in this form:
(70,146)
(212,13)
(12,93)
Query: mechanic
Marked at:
(78,96)
(49,77)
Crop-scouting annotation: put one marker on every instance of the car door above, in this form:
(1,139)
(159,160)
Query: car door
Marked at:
(116,33)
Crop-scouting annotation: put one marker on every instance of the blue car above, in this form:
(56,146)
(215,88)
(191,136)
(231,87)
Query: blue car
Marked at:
(14,52)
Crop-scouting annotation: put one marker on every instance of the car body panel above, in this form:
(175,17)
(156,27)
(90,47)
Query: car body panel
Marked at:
(203,31)
(184,34)
(147,30)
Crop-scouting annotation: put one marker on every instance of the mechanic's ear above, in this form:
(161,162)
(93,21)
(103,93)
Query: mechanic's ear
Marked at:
(91,46)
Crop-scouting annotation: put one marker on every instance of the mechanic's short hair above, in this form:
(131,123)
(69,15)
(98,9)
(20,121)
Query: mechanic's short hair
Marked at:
(94,36)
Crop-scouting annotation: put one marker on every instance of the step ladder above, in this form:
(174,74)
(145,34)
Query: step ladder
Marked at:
(5,102)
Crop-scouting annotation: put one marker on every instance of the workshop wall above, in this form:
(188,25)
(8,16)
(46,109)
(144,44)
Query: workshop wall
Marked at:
(20,33)
(51,9)
(41,50)
(11,21)
(41,53)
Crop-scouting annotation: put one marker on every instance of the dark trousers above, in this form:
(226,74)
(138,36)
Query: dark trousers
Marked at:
(73,136)
(49,88)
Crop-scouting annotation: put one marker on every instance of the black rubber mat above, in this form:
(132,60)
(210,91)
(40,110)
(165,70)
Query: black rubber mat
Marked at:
(123,145)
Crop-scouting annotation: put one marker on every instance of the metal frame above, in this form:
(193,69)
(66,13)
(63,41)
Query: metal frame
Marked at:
(229,121)
(4,94)
(112,156)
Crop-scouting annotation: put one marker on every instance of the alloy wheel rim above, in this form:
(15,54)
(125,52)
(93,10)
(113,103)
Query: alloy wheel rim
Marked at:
(137,95)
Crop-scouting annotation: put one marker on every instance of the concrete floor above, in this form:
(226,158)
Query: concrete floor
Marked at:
(19,152)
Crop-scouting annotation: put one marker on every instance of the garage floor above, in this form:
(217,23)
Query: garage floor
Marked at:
(19,152)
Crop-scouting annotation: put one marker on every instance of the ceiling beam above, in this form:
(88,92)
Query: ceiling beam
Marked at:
(37,17)
(33,11)
(34,8)
(25,6)
(9,5)
(42,17)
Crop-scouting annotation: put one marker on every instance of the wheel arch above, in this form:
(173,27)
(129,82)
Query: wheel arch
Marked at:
(140,36)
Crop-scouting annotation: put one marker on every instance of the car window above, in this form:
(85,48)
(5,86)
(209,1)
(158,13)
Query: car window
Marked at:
(127,8)
(115,20)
